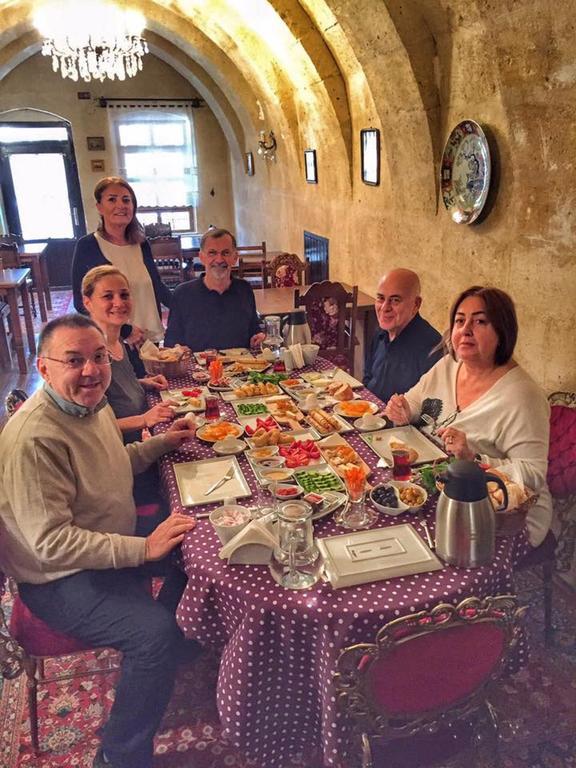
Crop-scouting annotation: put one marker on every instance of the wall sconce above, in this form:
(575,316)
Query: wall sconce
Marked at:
(267,145)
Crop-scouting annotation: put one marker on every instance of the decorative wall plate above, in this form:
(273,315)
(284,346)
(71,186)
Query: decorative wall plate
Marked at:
(465,172)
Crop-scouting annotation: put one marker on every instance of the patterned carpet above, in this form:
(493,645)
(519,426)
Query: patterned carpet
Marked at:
(61,304)
(537,710)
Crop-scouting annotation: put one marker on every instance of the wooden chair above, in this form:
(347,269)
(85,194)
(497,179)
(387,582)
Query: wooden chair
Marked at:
(420,690)
(10,259)
(558,555)
(284,271)
(167,255)
(5,354)
(251,263)
(334,330)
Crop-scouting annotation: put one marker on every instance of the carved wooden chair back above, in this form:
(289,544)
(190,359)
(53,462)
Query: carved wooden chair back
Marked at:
(331,312)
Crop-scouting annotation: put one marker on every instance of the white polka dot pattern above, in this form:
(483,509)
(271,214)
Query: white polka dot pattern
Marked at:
(275,695)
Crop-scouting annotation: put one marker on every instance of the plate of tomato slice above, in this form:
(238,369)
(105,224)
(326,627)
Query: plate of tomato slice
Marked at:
(301,453)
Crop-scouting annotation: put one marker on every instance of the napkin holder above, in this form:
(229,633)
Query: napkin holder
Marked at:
(253,545)
(297,355)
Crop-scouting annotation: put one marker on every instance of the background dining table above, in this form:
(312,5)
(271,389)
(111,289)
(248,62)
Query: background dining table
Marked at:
(279,647)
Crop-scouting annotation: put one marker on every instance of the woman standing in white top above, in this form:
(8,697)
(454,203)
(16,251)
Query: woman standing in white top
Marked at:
(483,403)
(120,241)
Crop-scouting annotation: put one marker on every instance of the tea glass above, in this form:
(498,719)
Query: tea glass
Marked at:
(402,468)
(212,412)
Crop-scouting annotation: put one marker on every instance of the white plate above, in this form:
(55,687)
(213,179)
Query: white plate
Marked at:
(340,408)
(235,351)
(322,470)
(298,434)
(339,375)
(426,450)
(250,421)
(202,431)
(333,501)
(195,477)
(184,402)
(379,424)
(345,426)
(333,441)
(465,172)
(250,401)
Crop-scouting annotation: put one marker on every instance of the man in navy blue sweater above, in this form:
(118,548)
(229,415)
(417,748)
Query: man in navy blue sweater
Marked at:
(406,346)
(216,310)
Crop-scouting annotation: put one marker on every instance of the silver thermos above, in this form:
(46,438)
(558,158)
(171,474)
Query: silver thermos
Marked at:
(296,329)
(465,519)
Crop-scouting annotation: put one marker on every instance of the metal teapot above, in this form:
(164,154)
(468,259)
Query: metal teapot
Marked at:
(465,519)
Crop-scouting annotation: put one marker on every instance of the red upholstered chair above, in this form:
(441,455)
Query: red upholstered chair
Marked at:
(27,642)
(418,693)
(558,554)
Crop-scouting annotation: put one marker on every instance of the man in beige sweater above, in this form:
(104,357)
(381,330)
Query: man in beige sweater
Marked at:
(67,522)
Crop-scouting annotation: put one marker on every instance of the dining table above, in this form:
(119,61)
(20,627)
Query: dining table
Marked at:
(13,283)
(279,647)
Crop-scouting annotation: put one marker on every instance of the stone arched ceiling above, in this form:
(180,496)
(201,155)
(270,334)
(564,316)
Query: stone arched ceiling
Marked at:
(314,71)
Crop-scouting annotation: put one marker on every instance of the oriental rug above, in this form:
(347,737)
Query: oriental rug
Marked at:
(536,707)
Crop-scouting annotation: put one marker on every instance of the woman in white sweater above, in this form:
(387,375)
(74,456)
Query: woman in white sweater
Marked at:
(483,404)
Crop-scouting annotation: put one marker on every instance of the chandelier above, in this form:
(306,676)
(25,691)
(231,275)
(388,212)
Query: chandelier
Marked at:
(91,39)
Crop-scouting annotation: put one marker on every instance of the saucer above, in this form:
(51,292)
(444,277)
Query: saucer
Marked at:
(229,450)
(378,424)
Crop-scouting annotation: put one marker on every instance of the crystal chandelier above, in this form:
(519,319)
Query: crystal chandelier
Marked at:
(91,39)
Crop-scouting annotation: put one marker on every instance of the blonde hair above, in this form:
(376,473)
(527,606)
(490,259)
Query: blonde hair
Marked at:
(96,274)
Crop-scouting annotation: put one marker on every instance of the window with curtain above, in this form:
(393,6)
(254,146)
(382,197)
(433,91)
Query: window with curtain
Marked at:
(156,154)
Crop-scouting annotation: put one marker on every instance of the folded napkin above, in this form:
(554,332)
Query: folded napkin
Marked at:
(253,545)
(297,355)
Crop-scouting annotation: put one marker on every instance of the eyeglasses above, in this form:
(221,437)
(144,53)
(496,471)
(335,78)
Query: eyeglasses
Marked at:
(77,363)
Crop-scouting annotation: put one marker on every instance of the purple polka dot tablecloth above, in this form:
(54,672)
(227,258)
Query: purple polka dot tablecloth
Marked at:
(280,647)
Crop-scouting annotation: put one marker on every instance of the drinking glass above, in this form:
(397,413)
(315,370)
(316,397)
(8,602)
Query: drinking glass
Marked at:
(402,468)
(355,515)
(212,412)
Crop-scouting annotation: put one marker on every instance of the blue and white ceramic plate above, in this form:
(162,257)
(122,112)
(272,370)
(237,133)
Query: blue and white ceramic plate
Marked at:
(465,172)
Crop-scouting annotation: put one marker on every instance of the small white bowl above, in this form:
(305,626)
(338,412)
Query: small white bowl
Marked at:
(264,452)
(270,462)
(378,423)
(229,447)
(384,509)
(310,352)
(399,484)
(295,491)
(287,474)
(222,520)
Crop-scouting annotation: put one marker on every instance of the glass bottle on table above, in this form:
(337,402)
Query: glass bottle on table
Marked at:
(295,558)
(273,341)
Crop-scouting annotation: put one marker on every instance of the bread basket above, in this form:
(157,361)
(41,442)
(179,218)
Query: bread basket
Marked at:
(172,367)
(510,522)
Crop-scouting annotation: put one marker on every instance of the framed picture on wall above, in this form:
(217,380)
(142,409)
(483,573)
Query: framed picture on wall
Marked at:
(96,143)
(311,166)
(97,166)
(370,154)
(249,163)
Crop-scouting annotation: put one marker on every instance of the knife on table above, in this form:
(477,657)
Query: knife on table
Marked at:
(228,476)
